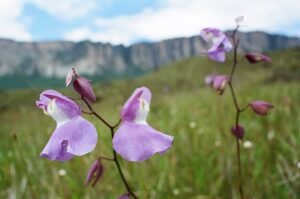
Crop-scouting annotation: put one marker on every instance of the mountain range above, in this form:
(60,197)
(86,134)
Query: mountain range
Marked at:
(54,59)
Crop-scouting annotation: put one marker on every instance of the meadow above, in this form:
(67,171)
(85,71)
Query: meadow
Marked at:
(202,161)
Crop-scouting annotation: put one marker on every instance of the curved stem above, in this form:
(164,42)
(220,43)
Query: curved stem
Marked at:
(238,109)
(96,114)
(115,157)
(120,170)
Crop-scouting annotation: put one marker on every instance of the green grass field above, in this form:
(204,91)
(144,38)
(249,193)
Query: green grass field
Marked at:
(202,162)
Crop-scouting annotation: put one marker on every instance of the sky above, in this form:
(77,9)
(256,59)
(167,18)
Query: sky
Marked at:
(131,21)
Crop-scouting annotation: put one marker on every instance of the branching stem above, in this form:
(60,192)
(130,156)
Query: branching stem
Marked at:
(115,157)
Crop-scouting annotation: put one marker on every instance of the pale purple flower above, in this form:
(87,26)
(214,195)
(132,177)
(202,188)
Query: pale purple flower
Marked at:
(220,43)
(257,57)
(73,134)
(135,140)
(95,173)
(81,85)
(209,79)
(261,107)
(220,82)
(238,132)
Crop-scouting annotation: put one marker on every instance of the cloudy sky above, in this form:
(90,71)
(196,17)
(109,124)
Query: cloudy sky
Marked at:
(131,21)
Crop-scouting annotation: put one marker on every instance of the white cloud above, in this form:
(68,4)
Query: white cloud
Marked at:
(78,34)
(11,26)
(178,18)
(66,9)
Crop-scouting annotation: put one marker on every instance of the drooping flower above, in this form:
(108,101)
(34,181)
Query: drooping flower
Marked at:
(95,173)
(257,57)
(73,134)
(135,140)
(238,132)
(220,43)
(81,85)
(261,107)
(220,82)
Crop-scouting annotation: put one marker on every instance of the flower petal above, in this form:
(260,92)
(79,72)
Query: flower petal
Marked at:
(75,137)
(132,105)
(217,55)
(208,34)
(69,77)
(138,142)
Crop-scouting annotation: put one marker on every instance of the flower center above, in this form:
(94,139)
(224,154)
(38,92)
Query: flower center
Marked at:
(142,113)
(56,113)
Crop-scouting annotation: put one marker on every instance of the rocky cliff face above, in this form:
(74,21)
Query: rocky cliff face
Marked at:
(54,59)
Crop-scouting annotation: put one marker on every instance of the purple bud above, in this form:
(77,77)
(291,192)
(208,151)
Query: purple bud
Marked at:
(84,88)
(220,82)
(261,107)
(257,57)
(69,77)
(124,196)
(95,172)
(209,79)
(238,132)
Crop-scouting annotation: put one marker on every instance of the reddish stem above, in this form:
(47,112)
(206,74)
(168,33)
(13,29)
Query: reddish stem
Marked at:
(238,109)
(115,158)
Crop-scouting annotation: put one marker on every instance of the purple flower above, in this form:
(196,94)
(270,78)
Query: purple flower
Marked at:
(95,173)
(261,107)
(238,132)
(135,140)
(220,82)
(257,57)
(73,134)
(81,85)
(209,79)
(220,43)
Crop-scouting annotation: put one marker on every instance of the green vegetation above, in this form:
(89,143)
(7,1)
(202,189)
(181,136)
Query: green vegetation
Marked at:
(202,162)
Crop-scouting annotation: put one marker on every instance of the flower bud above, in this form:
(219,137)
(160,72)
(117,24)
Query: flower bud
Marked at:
(238,132)
(70,76)
(257,57)
(261,107)
(81,85)
(220,82)
(95,173)
(84,88)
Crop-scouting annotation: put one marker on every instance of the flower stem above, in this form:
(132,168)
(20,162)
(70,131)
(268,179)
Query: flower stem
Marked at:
(238,109)
(120,170)
(115,157)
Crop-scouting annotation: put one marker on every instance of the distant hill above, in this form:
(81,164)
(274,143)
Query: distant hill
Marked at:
(24,64)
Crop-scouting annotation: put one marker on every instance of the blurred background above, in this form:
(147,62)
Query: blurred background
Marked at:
(121,45)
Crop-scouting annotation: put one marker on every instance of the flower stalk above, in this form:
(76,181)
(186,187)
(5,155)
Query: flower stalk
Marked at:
(115,157)
(237,108)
